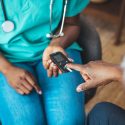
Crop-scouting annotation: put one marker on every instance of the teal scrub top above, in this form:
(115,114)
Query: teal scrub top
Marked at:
(31,18)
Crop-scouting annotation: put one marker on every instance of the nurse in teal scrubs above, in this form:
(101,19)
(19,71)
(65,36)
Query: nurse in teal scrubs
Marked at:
(32,89)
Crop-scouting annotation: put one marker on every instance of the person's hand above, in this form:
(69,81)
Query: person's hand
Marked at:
(96,73)
(51,68)
(21,80)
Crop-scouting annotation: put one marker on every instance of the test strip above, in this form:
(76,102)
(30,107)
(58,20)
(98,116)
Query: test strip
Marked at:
(68,69)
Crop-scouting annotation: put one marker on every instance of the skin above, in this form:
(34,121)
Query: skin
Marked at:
(23,81)
(71,31)
(97,73)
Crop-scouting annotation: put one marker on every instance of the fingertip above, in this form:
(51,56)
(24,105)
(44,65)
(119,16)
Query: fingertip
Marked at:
(71,60)
(69,65)
(79,89)
(21,93)
(46,67)
(39,92)
(49,75)
(37,89)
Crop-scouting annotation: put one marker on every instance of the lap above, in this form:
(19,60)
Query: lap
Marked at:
(63,105)
(60,97)
(18,109)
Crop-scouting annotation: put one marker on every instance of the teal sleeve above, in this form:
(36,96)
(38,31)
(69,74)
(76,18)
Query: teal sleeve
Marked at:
(75,7)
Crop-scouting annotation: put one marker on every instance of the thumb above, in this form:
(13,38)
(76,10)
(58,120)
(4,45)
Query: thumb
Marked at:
(86,86)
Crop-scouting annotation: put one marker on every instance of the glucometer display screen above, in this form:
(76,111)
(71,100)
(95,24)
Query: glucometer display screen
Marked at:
(59,58)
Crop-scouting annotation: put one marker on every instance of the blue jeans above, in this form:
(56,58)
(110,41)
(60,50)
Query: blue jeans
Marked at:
(106,113)
(59,104)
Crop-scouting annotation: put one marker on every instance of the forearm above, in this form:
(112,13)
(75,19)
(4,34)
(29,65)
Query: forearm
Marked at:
(71,31)
(4,64)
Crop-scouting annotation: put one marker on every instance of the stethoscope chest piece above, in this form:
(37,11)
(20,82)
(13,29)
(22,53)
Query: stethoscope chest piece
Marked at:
(8,26)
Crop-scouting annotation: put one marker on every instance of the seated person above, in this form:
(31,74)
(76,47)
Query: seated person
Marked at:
(31,30)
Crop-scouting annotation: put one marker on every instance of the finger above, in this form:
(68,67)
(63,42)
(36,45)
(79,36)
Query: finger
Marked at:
(50,70)
(81,87)
(71,60)
(32,81)
(49,73)
(27,85)
(44,63)
(20,91)
(86,86)
(77,67)
(85,77)
(60,72)
(83,69)
(38,89)
(48,64)
(45,60)
(55,70)
(24,89)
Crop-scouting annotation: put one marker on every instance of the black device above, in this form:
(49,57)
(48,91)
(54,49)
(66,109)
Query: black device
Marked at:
(60,60)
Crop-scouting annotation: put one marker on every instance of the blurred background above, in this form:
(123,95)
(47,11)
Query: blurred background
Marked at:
(108,16)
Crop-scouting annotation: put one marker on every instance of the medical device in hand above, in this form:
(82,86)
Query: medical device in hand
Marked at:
(60,60)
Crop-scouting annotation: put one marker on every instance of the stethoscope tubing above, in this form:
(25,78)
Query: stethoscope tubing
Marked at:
(64,15)
(50,35)
(4,11)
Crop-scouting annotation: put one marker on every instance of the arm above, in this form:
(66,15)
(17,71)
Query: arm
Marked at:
(4,64)
(71,31)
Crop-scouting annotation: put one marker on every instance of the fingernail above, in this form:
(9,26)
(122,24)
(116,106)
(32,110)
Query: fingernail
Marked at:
(71,60)
(79,89)
(40,92)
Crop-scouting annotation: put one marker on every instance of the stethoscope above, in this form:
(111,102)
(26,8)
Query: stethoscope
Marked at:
(60,34)
(8,25)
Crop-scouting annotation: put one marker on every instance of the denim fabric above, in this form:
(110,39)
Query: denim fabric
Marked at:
(59,104)
(106,114)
